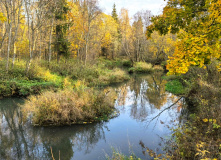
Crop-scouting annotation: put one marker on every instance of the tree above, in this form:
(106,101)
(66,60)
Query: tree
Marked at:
(3,20)
(161,47)
(91,11)
(138,35)
(116,44)
(11,8)
(61,43)
(114,13)
(108,35)
(198,25)
(77,29)
(127,36)
(141,44)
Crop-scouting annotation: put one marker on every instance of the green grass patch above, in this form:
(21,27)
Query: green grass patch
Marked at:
(104,72)
(175,87)
(24,88)
(18,83)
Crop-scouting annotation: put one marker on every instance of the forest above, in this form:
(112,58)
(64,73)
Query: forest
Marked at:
(70,62)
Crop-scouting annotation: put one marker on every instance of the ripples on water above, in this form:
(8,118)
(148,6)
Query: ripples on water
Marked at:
(139,101)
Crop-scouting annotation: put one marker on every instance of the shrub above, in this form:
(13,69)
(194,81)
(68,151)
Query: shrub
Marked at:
(131,70)
(68,107)
(127,63)
(200,136)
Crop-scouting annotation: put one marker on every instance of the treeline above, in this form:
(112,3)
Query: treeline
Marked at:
(76,29)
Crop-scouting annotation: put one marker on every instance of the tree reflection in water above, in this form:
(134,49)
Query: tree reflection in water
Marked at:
(20,140)
(141,98)
(147,95)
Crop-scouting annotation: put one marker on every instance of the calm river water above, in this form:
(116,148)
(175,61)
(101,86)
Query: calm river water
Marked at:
(139,100)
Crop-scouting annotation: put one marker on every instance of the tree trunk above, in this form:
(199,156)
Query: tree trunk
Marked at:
(138,48)
(9,45)
(14,56)
(16,31)
(86,48)
(50,41)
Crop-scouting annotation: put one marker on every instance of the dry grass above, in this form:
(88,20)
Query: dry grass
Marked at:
(114,76)
(68,107)
(144,65)
(119,75)
(158,68)
(141,67)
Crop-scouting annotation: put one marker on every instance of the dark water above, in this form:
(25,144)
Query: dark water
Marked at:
(139,101)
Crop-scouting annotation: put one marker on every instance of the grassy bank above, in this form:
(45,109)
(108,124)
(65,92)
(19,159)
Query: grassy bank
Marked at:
(102,72)
(44,76)
(41,76)
(18,83)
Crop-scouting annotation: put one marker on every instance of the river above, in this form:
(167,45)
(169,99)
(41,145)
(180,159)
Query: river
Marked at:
(139,101)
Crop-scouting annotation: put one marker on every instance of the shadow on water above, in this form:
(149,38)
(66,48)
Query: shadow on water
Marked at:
(139,100)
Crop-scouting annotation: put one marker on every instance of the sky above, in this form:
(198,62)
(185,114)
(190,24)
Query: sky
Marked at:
(155,6)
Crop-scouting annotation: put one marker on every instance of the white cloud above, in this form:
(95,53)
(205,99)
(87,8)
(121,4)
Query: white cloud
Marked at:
(156,6)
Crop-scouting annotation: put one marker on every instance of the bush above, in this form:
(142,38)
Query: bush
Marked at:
(200,136)
(127,63)
(69,107)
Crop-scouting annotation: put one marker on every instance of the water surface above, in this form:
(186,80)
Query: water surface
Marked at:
(139,101)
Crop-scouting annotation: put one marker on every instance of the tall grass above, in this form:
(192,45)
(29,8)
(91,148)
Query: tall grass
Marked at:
(17,82)
(104,72)
(69,107)
(141,67)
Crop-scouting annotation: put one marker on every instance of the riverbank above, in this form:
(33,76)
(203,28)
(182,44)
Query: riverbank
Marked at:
(70,81)
(66,74)
(200,136)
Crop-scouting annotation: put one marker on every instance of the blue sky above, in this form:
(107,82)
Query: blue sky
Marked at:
(156,6)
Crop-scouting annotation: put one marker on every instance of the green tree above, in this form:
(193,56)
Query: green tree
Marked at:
(61,43)
(114,13)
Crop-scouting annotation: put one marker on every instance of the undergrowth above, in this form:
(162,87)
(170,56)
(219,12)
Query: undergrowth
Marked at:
(42,76)
(199,137)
